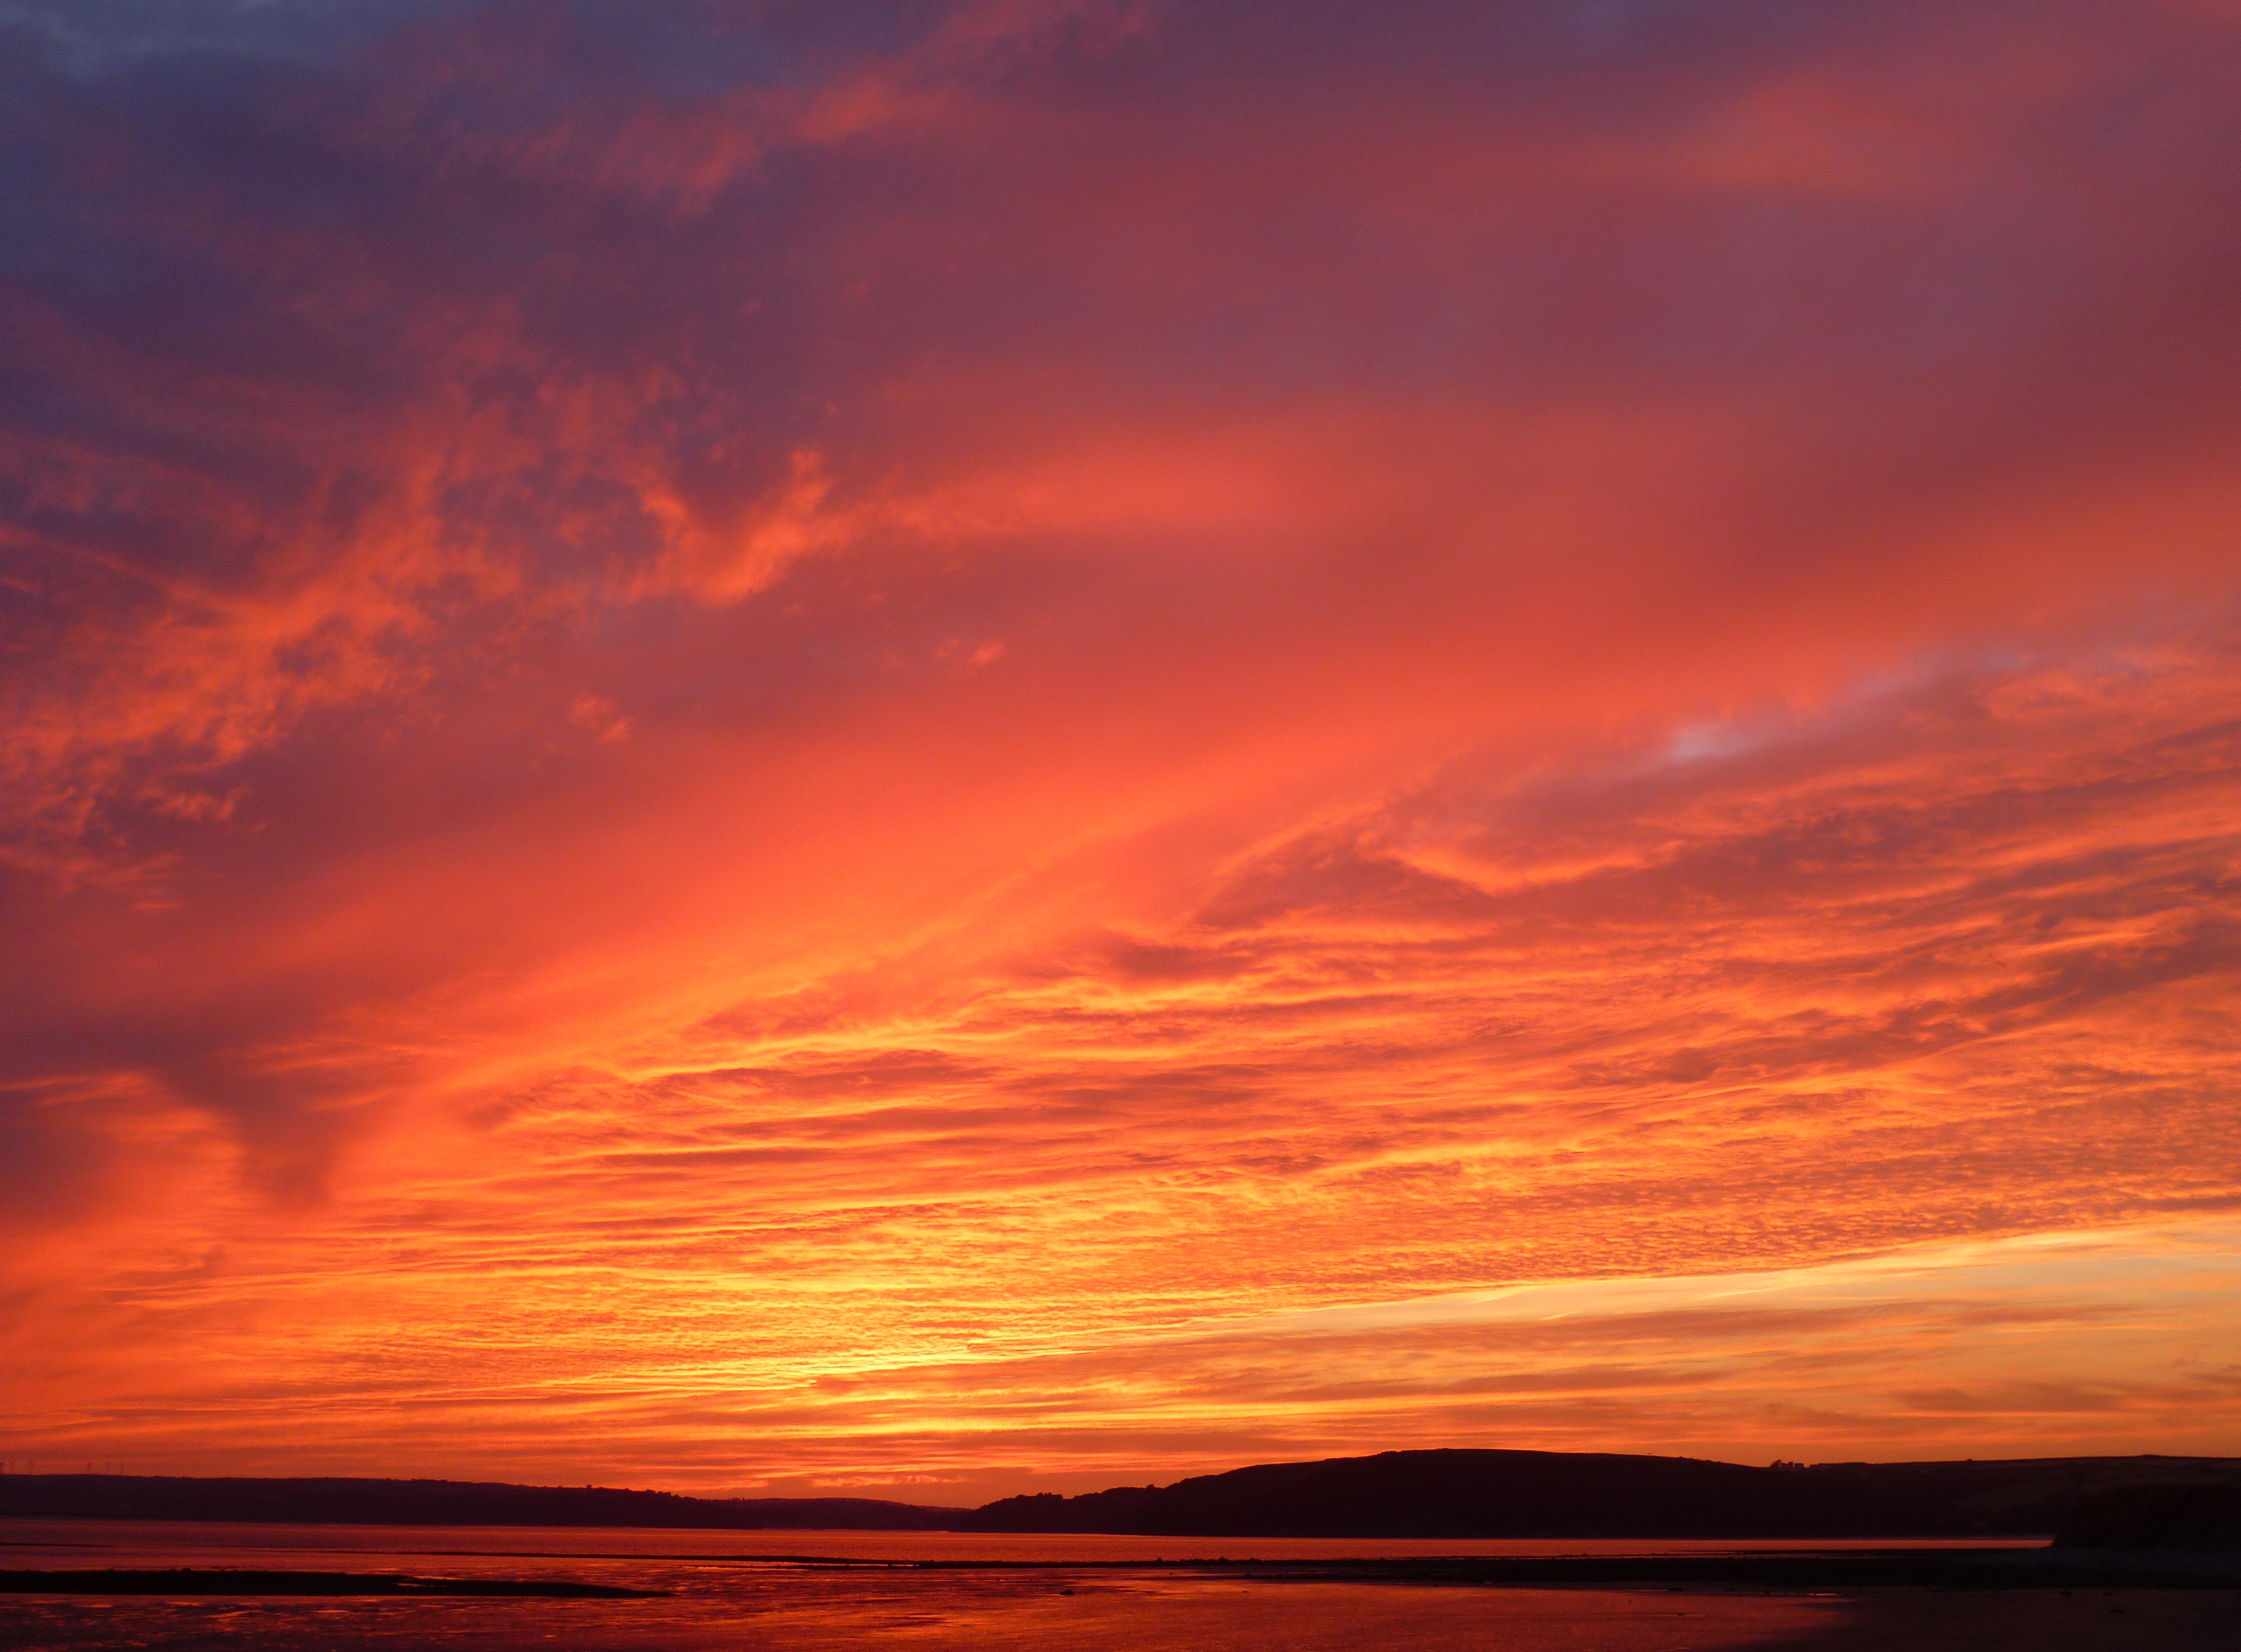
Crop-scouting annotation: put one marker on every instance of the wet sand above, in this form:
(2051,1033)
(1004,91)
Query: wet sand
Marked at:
(1909,1619)
(796,1592)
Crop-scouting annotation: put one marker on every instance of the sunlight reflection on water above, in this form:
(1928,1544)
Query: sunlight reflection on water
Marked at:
(732,1590)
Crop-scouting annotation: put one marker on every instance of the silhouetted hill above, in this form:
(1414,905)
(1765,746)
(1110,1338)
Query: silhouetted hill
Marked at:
(2195,1516)
(441,1502)
(1541,1493)
(1398,1494)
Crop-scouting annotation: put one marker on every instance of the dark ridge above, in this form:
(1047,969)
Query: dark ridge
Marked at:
(1543,1494)
(441,1502)
(2197,1517)
(1396,1494)
(187,1580)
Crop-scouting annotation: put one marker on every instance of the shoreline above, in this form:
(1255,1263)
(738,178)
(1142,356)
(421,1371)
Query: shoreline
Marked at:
(1945,1571)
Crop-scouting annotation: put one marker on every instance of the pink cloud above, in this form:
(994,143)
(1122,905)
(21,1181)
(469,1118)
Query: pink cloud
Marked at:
(962,688)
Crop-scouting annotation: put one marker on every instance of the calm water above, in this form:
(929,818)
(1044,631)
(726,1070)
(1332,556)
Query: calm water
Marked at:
(749,1591)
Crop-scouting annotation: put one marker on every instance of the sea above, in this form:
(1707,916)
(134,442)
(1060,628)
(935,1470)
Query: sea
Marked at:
(811,1591)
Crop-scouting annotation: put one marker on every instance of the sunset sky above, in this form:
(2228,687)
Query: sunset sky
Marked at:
(933,749)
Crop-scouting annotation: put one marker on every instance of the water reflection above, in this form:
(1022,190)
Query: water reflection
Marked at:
(746,1590)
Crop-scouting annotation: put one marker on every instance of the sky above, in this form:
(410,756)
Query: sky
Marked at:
(936,749)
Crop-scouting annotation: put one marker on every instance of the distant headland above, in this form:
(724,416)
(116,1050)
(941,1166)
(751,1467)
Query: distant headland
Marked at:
(1440,1494)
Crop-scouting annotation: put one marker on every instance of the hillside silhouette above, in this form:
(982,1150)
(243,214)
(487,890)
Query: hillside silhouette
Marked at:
(1543,1494)
(1442,1493)
(443,1502)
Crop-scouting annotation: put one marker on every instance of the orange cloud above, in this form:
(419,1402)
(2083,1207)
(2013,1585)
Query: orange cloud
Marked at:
(1037,738)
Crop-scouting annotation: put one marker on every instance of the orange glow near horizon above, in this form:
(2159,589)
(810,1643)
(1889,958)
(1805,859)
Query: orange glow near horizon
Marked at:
(1007,746)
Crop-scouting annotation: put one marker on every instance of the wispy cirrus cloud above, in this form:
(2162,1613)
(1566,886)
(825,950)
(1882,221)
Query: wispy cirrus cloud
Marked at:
(772,695)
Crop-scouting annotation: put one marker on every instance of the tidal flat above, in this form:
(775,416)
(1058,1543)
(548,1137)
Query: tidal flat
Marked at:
(818,1592)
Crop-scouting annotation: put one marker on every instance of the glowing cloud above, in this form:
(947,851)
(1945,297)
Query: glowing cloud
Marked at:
(1034,742)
